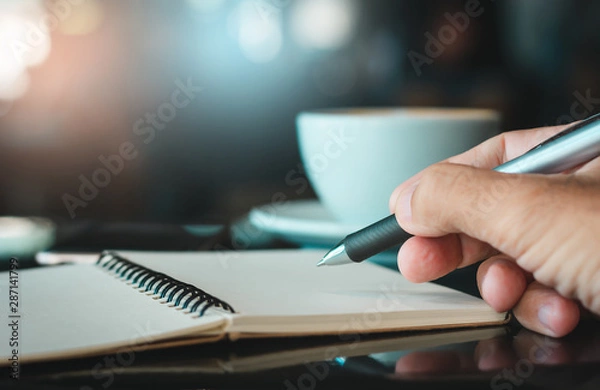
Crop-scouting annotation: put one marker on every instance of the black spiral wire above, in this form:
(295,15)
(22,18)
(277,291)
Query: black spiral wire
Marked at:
(160,285)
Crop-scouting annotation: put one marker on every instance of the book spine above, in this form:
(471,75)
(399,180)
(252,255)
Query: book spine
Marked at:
(182,295)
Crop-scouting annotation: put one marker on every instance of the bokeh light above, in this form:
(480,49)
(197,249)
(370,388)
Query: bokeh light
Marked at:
(24,42)
(259,37)
(324,24)
(13,84)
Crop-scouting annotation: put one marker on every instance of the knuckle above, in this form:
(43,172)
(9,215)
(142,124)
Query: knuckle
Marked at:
(440,190)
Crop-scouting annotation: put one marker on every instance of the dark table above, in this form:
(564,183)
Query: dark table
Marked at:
(512,359)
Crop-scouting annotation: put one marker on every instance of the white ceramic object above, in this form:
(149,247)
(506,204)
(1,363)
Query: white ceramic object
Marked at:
(354,158)
(302,222)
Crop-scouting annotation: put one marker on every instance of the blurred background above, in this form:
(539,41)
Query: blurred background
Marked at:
(184,111)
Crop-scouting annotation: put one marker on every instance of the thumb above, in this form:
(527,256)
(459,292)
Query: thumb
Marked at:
(548,223)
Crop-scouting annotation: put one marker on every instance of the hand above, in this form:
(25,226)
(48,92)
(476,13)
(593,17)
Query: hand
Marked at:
(540,234)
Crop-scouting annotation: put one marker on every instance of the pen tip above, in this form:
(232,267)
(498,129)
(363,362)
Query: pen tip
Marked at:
(321,262)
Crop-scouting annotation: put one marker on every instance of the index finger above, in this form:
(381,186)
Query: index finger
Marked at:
(504,147)
(492,152)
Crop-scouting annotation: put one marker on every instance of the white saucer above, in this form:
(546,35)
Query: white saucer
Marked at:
(302,222)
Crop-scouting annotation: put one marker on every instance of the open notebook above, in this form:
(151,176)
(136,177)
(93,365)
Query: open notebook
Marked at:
(140,300)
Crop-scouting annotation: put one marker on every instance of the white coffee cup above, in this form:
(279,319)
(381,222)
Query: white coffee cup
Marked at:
(354,158)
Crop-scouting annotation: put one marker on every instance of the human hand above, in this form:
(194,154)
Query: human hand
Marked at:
(538,234)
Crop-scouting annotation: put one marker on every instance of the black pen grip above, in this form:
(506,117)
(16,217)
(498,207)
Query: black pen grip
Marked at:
(374,239)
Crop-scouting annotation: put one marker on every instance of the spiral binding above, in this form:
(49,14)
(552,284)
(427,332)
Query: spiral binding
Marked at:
(183,295)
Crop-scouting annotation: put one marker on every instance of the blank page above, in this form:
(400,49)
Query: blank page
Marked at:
(76,310)
(262,285)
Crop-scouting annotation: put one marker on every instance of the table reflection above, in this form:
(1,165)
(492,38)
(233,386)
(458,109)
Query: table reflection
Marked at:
(520,352)
(495,358)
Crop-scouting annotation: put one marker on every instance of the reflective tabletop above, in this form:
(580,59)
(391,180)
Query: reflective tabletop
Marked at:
(500,358)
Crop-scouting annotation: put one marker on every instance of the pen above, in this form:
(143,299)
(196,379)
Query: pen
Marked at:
(575,145)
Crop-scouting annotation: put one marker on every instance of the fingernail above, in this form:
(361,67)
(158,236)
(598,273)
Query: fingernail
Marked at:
(404,209)
(544,315)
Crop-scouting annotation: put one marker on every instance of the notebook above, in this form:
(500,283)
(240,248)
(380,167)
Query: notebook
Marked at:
(131,301)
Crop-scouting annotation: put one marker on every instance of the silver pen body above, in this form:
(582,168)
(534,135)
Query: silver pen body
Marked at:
(575,145)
